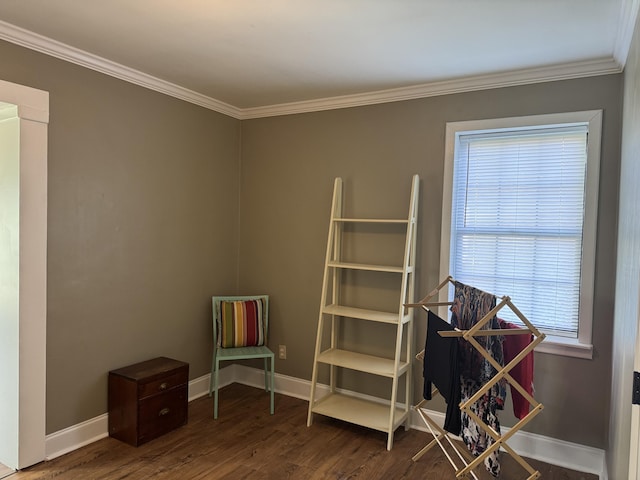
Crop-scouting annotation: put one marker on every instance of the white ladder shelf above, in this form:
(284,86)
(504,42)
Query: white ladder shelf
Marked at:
(384,414)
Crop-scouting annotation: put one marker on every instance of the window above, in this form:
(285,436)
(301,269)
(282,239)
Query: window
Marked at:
(519,218)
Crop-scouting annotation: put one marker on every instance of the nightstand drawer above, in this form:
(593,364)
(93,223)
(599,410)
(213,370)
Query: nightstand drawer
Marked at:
(162,413)
(161,385)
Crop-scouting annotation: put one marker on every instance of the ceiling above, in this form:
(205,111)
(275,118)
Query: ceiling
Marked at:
(251,58)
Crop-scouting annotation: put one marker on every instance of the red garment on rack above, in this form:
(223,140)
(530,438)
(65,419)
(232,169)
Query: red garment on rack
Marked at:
(522,372)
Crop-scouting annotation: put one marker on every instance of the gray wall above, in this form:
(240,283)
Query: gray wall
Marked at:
(143,208)
(288,167)
(142,223)
(627,313)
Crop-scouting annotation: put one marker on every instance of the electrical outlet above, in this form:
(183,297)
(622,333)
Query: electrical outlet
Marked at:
(282,352)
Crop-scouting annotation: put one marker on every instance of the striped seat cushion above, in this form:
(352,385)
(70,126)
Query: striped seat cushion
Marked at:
(241,323)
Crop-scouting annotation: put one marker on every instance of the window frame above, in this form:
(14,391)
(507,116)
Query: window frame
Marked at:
(582,347)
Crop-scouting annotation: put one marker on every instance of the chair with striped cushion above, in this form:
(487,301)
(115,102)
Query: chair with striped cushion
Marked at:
(240,325)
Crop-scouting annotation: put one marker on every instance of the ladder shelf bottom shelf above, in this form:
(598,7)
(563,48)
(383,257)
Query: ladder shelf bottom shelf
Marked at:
(359,411)
(362,362)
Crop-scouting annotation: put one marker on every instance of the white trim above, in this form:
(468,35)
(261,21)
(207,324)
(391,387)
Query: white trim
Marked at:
(32,104)
(549,450)
(538,447)
(77,436)
(84,433)
(48,46)
(569,347)
(56,49)
(590,226)
(33,290)
(33,113)
(582,348)
(199,387)
(634,434)
(552,73)
(559,452)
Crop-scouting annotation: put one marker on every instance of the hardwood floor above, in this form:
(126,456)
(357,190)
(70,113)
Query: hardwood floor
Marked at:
(248,443)
(5,471)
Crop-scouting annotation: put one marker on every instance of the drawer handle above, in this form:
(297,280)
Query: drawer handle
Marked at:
(164,385)
(163,412)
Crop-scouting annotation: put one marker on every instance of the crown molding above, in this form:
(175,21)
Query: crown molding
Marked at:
(48,46)
(51,47)
(567,71)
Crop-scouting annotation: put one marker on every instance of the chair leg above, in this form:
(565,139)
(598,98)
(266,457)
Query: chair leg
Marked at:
(272,384)
(215,389)
(213,371)
(266,376)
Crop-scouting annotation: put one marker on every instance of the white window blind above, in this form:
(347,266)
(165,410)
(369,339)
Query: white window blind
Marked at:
(518,205)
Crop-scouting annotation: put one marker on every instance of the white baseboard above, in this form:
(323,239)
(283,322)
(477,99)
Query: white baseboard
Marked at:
(538,447)
(76,436)
(559,452)
(549,450)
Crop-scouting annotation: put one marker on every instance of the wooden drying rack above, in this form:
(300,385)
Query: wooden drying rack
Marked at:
(469,463)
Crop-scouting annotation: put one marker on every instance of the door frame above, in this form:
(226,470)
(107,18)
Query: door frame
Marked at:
(634,441)
(33,113)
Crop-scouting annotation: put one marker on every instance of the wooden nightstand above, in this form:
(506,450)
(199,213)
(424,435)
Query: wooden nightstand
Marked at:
(147,399)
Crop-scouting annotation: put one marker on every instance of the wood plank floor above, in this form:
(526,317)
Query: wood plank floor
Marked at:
(248,443)
(5,471)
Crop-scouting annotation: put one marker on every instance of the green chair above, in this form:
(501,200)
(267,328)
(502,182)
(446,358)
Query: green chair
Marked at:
(240,325)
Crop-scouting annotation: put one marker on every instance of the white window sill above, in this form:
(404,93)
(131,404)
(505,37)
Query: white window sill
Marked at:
(569,347)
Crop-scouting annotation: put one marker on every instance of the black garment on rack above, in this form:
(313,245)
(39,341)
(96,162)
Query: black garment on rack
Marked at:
(441,367)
